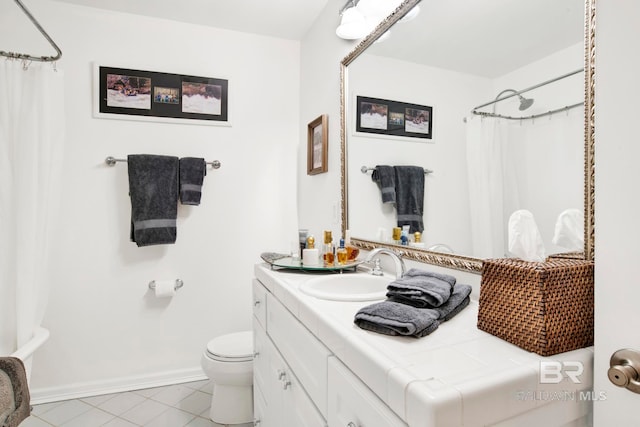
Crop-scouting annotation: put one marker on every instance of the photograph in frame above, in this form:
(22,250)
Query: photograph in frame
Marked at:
(151,95)
(317,145)
(393,118)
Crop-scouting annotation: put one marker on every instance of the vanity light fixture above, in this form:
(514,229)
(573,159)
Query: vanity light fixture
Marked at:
(353,25)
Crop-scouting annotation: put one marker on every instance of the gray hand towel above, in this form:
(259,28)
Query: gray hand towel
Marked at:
(416,272)
(153,188)
(423,289)
(393,318)
(459,299)
(15,400)
(385,177)
(410,197)
(192,173)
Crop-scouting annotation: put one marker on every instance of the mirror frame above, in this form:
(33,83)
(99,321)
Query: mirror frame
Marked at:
(460,262)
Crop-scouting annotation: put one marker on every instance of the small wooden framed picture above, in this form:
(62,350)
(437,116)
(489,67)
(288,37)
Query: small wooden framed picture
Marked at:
(317,145)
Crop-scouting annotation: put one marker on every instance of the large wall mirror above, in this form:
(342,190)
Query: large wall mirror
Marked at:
(508,88)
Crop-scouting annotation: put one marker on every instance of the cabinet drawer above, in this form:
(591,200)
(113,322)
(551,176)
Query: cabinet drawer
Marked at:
(352,403)
(304,353)
(260,303)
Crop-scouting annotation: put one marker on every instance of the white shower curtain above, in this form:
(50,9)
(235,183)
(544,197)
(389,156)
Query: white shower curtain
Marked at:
(31,151)
(492,185)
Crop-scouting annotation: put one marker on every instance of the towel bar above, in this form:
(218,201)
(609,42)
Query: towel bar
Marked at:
(365,169)
(111,161)
(178,285)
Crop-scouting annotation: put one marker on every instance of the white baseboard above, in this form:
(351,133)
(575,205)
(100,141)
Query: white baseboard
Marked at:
(115,385)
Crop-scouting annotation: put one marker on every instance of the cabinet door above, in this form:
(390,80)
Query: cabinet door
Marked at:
(299,410)
(260,303)
(304,353)
(352,403)
(260,355)
(268,370)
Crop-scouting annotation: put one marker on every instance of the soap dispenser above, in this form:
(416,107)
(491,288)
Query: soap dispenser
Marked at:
(310,255)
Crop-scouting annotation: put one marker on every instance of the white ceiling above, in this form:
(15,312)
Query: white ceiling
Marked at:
(289,19)
(488,38)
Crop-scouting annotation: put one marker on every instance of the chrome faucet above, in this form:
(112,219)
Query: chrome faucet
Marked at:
(397,259)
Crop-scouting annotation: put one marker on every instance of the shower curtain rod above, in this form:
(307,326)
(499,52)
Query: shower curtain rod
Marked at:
(533,116)
(43,32)
(516,93)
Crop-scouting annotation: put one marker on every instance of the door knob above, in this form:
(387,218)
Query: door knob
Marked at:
(624,369)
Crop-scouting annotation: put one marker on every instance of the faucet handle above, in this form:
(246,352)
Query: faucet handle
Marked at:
(377,269)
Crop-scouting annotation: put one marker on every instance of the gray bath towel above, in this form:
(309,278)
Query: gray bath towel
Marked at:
(385,177)
(153,188)
(393,318)
(192,173)
(420,288)
(15,400)
(410,197)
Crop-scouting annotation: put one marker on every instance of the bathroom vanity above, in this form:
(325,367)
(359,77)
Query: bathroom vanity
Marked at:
(314,367)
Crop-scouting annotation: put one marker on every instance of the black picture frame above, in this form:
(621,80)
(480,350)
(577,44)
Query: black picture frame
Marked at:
(395,118)
(153,94)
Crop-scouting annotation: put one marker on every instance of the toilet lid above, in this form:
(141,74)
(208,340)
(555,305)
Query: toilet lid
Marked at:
(235,346)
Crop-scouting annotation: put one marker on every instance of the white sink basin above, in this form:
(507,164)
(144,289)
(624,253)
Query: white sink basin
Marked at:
(347,287)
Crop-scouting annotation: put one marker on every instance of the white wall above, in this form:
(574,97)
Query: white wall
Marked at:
(617,202)
(321,53)
(106,327)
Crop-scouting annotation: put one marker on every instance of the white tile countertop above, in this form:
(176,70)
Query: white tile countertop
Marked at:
(456,376)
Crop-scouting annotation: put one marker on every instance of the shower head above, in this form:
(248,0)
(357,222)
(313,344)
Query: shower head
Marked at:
(524,102)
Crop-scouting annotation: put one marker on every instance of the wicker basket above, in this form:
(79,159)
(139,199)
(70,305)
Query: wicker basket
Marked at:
(543,307)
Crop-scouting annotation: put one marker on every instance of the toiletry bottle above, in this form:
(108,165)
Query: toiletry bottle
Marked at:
(396,235)
(352,251)
(341,253)
(310,255)
(303,233)
(327,249)
(417,240)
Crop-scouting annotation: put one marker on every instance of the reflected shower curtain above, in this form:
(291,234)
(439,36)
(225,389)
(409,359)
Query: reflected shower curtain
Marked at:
(31,149)
(492,185)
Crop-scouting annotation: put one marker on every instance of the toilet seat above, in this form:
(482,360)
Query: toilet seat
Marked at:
(234,347)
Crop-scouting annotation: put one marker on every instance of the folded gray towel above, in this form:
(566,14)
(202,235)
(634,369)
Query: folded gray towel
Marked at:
(410,197)
(459,299)
(420,288)
(15,400)
(153,188)
(415,272)
(393,318)
(192,173)
(385,177)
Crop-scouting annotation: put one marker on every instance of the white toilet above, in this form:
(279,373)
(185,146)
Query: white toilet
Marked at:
(228,362)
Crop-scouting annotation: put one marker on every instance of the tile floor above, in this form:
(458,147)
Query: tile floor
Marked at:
(180,405)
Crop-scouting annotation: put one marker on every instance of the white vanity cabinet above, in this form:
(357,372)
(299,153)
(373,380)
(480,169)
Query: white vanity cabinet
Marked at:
(286,393)
(353,404)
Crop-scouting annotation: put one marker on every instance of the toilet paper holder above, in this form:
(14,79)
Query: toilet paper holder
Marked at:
(179,283)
